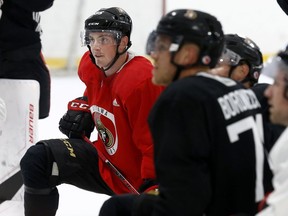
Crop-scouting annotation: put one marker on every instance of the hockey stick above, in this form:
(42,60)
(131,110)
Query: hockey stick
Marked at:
(114,169)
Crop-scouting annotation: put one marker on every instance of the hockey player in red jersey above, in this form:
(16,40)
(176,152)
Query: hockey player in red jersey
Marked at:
(209,154)
(117,100)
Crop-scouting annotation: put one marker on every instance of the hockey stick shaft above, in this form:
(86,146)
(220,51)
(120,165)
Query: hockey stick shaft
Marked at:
(114,169)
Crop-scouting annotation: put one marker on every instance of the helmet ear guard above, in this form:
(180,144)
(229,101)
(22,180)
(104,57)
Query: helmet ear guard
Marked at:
(212,51)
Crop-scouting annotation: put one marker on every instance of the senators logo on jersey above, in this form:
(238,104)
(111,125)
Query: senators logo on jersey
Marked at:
(109,139)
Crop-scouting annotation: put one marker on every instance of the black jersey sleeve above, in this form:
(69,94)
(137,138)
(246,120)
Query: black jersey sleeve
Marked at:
(34,5)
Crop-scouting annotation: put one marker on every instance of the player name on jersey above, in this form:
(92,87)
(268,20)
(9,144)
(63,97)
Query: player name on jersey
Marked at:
(237,102)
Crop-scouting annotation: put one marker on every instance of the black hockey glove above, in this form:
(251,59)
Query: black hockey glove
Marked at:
(77,121)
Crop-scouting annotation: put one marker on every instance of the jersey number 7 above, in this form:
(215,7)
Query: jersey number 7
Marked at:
(249,123)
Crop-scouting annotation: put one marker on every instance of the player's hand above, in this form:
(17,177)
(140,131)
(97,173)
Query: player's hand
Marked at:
(77,121)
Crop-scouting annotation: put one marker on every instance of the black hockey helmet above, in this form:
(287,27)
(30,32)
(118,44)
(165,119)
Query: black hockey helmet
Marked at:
(248,51)
(112,19)
(185,25)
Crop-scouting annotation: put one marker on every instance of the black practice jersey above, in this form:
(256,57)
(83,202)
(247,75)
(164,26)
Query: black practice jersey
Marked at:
(19,23)
(209,155)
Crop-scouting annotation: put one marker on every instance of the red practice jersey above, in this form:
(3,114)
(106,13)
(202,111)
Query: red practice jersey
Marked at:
(120,105)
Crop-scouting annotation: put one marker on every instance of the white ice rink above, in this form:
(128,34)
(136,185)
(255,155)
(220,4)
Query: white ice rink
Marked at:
(73,201)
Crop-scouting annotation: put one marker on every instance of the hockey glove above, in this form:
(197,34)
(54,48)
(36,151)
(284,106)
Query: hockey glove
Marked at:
(77,121)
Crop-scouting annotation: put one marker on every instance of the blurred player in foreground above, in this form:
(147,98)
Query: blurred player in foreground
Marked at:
(209,154)
(277,95)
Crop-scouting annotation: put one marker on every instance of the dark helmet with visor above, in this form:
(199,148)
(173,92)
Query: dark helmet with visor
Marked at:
(238,50)
(115,23)
(192,26)
(111,20)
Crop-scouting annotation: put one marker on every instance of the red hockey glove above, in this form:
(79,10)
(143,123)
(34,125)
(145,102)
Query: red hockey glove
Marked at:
(77,121)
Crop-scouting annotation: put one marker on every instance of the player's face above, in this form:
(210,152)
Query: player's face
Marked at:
(163,71)
(278,103)
(103,47)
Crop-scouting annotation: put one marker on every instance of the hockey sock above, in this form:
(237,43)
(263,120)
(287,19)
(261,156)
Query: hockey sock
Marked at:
(41,204)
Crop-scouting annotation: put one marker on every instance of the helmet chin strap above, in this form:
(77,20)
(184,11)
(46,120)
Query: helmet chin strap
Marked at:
(231,71)
(113,61)
(179,68)
(117,55)
(91,56)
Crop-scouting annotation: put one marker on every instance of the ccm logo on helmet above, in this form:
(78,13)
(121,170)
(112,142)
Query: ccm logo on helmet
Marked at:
(93,24)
